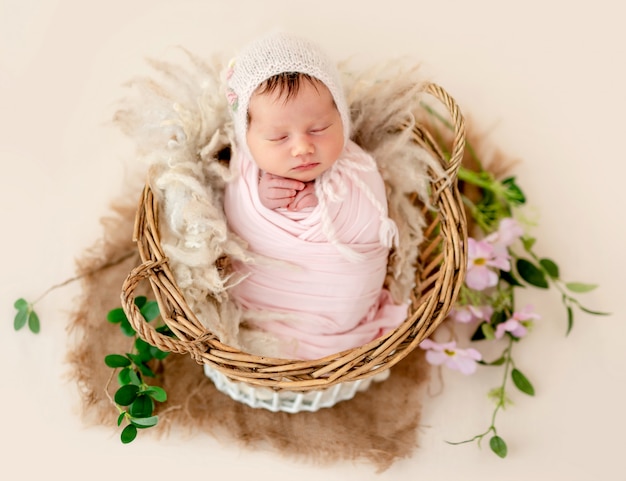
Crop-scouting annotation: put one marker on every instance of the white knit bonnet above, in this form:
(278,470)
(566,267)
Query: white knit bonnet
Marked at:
(271,55)
(278,53)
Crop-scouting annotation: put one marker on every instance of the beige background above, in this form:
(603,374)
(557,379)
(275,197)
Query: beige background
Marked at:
(545,79)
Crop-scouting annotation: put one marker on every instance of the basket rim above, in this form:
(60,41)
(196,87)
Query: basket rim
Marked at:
(425,315)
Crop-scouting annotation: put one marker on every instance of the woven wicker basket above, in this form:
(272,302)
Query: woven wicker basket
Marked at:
(440,270)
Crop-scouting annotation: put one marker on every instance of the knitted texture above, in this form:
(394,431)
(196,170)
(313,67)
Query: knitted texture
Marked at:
(331,187)
(271,55)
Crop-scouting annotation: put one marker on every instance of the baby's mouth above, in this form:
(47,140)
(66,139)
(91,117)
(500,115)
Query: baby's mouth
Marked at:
(307,166)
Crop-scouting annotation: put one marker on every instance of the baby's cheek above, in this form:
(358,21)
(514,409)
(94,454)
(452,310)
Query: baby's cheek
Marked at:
(335,147)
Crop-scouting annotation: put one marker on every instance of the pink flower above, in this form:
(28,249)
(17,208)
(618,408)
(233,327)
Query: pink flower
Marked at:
(508,232)
(481,257)
(469,313)
(518,323)
(463,360)
(232,99)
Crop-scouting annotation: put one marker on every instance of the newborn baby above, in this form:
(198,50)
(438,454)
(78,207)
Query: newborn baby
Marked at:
(310,204)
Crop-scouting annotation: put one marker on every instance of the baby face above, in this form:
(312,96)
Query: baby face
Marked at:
(298,138)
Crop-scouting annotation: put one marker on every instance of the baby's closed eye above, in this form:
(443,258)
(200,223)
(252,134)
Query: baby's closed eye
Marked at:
(277,138)
(319,130)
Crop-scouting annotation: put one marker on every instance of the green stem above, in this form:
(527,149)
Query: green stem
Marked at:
(476,179)
(502,395)
(475,213)
(501,401)
(486,182)
(80,276)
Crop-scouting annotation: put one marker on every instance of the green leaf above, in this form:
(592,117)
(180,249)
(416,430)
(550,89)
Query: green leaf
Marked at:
(137,358)
(145,422)
(126,328)
(139,363)
(522,383)
(580,287)
(128,376)
(513,193)
(20,319)
(145,370)
(528,243)
(144,350)
(142,357)
(118,316)
(165,330)
(487,330)
(121,417)
(157,393)
(150,311)
(140,301)
(478,333)
(123,377)
(531,273)
(496,394)
(157,353)
(498,446)
(134,377)
(498,362)
(33,322)
(129,433)
(550,267)
(141,345)
(125,395)
(570,319)
(595,313)
(510,279)
(115,316)
(116,360)
(141,407)
(21,304)
(498,316)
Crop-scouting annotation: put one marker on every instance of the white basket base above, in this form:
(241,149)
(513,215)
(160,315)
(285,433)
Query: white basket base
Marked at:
(290,401)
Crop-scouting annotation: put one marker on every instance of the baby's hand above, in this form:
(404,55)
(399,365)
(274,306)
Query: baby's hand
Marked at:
(304,198)
(276,191)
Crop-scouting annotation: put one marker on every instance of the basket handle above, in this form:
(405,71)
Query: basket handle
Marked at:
(144,329)
(458,143)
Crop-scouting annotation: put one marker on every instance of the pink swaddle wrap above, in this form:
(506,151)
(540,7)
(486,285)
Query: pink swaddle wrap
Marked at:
(325,294)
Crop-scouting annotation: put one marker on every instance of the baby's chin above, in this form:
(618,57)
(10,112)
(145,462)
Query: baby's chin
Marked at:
(304,178)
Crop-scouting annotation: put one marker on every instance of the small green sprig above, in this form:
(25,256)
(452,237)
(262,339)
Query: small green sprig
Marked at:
(26,316)
(542,272)
(500,396)
(501,299)
(135,399)
(496,200)
(527,270)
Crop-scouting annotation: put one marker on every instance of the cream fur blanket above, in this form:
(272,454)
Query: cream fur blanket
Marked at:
(179,121)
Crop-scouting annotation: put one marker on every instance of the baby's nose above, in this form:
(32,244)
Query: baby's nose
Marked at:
(302,146)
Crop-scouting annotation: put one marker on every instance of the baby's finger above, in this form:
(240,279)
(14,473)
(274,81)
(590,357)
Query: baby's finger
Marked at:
(303,199)
(282,183)
(276,193)
(276,203)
